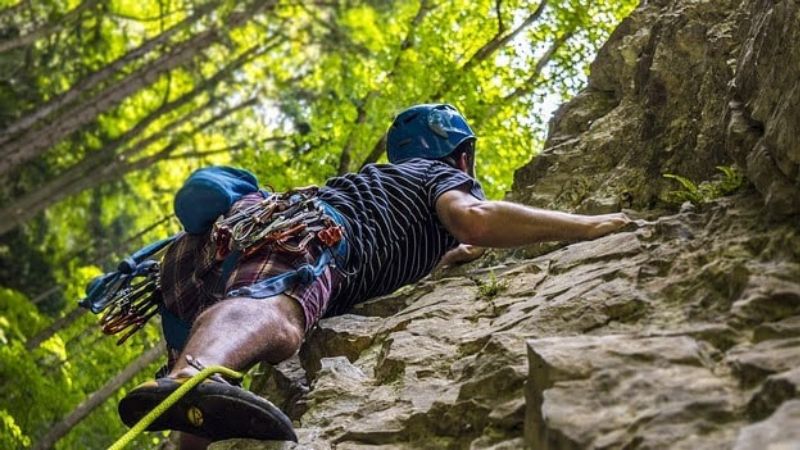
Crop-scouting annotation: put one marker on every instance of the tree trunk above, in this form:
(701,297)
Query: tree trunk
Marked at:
(118,168)
(90,82)
(74,179)
(483,53)
(36,141)
(58,325)
(32,36)
(345,157)
(98,397)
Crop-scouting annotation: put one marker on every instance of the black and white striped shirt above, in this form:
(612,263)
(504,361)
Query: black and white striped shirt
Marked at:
(393,234)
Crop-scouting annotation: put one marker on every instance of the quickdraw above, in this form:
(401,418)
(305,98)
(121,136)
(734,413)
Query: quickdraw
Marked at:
(131,300)
(277,220)
(131,312)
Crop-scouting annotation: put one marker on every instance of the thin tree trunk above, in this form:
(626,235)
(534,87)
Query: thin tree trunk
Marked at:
(77,312)
(61,22)
(61,323)
(44,295)
(483,53)
(98,397)
(91,81)
(118,168)
(37,141)
(376,152)
(126,166)
(217,151)
(530,84)
(345,157)
(74,178)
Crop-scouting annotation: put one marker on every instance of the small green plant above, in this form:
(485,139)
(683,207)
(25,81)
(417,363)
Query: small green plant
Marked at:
(728,182)
(491,287)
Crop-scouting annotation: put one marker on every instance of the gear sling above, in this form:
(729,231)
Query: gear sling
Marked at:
(130,296)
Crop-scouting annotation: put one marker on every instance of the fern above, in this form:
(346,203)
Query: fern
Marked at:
(690,191)
(732,180)
(698,194)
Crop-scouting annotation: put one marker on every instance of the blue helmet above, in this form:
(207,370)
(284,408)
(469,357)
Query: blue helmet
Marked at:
(426,131)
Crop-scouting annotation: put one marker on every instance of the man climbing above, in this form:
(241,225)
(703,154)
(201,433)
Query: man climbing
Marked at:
(398,220)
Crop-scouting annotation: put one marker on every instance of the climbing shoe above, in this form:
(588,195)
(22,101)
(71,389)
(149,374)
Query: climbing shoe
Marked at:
(212,409)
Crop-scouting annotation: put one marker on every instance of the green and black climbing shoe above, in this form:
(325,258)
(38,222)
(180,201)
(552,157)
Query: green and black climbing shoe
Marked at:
(213,409)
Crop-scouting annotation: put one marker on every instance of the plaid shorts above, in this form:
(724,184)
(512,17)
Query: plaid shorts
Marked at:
(192,278)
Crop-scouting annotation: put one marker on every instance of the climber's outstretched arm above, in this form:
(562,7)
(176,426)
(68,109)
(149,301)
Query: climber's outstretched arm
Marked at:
(504,224)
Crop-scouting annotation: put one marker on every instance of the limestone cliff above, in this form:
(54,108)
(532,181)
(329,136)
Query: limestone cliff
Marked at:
(681,333)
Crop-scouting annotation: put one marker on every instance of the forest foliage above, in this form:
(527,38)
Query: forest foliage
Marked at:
(106,106)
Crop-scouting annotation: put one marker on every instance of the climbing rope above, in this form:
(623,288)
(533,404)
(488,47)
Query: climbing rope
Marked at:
(173,398)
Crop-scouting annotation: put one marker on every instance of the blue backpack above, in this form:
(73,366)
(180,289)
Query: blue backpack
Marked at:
(209,193)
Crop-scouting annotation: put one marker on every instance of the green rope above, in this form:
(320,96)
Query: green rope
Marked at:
(150,417)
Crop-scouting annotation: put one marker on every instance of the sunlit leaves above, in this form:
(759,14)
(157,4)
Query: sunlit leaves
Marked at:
(353,96)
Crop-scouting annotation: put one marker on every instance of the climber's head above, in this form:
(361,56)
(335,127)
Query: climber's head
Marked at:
(435,131)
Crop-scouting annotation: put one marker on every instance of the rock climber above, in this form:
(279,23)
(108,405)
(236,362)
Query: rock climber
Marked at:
(398,221)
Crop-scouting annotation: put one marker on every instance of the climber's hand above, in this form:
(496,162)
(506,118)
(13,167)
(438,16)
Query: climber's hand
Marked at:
(460,255)
(607,223)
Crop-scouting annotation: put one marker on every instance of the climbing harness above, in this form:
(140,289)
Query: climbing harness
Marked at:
(297,216)
(288,222)
(171,399)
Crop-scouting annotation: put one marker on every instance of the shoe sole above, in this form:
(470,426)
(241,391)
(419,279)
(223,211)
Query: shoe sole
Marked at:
(209,411)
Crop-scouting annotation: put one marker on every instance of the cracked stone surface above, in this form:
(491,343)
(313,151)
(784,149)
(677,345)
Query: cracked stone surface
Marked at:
(635,340)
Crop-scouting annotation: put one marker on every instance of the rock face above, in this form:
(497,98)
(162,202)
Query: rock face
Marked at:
(682,86)
(683,332)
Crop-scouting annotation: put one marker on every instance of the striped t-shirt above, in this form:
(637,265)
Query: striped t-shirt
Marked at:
(393,234)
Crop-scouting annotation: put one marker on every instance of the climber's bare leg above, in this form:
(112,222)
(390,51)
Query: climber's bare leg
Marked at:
(239,332)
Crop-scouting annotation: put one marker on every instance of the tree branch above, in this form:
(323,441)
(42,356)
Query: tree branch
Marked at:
(531,82)
(93,80)
(13,9)
(60,429)
(489,48)
(361,105)
(74,179)
(29,38)
(501,28)
(35,142)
